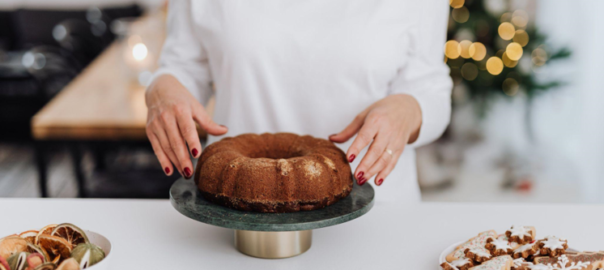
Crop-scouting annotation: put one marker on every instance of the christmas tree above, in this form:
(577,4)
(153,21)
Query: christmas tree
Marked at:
(491,53)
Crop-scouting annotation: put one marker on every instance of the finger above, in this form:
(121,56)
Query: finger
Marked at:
(350,130)
(375,151)
(379,179)
(177,144)
(188,131)
(364,137)
(206,122)
(159,153)
(161,136)
(383,160)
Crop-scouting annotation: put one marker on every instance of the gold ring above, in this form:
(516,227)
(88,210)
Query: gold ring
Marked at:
(389,151)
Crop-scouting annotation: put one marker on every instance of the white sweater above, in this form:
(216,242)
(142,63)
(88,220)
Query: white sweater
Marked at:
(310,66)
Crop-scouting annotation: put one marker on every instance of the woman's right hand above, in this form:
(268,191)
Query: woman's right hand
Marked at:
(171,117)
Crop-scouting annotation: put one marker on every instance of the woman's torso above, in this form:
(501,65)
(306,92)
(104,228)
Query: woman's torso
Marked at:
(307,67)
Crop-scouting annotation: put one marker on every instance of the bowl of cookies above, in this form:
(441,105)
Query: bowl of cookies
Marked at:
(55,247)
(518,248)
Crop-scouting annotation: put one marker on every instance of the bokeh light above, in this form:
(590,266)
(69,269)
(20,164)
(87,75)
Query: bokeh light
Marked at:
(539,56)
(514,51)
(456,3)
(477,51)
(506,17)
(460,15)
(452,49)
(506,31)
(510,87)
(469,71)
(507,61)
(520,18)
(465,48)
(521,37)
(139,51)
(494,65)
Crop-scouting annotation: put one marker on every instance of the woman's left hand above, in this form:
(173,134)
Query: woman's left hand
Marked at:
(391,123)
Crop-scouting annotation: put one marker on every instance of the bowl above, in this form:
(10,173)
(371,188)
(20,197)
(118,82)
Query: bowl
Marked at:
(105,245)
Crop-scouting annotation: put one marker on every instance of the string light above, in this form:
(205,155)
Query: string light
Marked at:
(452,49)
(456,3)
(521,37)
(465,48)
(469,71)
(506,31)
(507,61)
(514,51)
(477,51)
(520,18)
(494,65)
(460,15)
(539,56)
(510,87)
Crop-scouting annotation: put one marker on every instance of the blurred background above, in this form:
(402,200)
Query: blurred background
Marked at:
(526,123)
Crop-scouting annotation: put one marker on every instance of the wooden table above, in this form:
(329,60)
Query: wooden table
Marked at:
(150,234)
(102,104)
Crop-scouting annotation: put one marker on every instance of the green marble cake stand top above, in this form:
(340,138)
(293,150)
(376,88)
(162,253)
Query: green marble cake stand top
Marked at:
(185,197)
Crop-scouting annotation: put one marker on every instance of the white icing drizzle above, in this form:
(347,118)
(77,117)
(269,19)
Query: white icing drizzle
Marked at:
(561,265)
(520,261)
(460,262)
(553,242)
(524,248)
(494,264)
(520,231)
(481,252)
(501,244)
(452,266)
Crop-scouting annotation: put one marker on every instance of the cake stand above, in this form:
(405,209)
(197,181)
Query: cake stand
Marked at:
(270,235)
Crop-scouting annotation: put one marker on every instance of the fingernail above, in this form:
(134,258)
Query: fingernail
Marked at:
(379,182)
(194,152)
(362,181)
(351,158)
(360,175)
(187,172)
(167,170)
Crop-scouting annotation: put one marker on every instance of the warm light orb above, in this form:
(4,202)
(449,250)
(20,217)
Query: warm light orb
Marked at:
(469,71)
(510,87)
(539,56)
(456,3)
(520,18)
(465,48)
(460,15)
(139,51)
(521,37)
(494,65)
(477,51)
(507,61)
(452,49)
(514,51)
(506,31)
(505,17)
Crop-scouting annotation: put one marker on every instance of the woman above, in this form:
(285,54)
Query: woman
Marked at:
(370,70)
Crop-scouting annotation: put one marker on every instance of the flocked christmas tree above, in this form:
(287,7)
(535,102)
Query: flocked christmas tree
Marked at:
(494,53)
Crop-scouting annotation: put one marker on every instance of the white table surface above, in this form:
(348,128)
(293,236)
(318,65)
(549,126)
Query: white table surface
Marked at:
(150,234)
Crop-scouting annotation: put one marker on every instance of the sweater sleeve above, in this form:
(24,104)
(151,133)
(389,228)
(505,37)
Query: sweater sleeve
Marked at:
(183,55)
(425,76)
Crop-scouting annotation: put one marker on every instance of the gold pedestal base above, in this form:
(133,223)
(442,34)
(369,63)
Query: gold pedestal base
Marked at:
(273,245)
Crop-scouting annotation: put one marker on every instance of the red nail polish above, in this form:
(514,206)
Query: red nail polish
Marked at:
(362,181)
(351,158)
(187,172)
(167,170)
(194,152)
(360,175)
(379,182)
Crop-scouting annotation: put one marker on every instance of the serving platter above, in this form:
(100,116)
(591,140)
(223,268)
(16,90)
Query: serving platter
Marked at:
(270,235)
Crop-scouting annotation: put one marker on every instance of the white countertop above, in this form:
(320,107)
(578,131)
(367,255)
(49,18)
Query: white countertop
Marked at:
(150,234)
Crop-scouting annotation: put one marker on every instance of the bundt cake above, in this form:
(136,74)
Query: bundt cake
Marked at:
(280,172)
